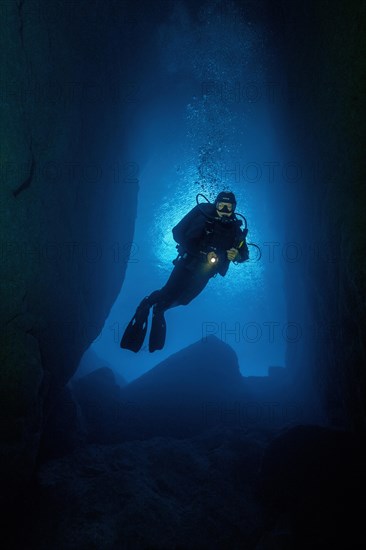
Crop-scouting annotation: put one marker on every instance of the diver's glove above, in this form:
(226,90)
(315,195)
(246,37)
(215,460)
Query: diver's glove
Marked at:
(232,254)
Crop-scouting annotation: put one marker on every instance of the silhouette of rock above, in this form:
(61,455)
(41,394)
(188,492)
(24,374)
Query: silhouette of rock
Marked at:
(206,366)
(192,390)
(57,281)
(90,362)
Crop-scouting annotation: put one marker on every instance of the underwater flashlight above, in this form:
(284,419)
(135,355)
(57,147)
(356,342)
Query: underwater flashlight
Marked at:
(212,258)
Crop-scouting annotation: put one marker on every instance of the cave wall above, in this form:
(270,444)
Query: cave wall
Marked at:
(324,54)
(70,91)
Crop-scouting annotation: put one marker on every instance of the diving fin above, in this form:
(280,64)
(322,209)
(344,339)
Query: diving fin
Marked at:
(135,332)
(158,330)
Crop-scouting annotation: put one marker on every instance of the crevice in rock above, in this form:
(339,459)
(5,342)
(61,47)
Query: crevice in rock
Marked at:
(26,183)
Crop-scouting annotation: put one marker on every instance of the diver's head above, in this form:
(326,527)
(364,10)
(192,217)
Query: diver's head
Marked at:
(225,204)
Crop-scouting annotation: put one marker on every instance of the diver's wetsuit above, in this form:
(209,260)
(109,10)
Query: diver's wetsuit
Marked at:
(197,234)
(182,286)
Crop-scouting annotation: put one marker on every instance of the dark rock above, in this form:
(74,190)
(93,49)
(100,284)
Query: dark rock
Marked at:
(62,431)
(90,362)
(195,389)
(59,279)
(189,392)
(325,288)
(58,282)
(192,390)
(99,398)
(315,477)
(161,493)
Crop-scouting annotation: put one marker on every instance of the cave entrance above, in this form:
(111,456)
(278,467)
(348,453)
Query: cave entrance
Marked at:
(207,120)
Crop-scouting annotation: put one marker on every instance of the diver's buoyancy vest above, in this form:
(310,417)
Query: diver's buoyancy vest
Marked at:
(197,233)
(219,235)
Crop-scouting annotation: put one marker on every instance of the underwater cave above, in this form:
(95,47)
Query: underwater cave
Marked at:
(247,428)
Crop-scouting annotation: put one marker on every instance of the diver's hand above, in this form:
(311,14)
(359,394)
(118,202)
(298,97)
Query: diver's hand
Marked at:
(232,254)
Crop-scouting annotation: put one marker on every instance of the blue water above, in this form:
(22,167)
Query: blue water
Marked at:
(208,120)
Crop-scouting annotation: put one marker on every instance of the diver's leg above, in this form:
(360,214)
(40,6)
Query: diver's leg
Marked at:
(178,277)
(162,300)
(183,295)
(135,331)
(167,298)
(195,287)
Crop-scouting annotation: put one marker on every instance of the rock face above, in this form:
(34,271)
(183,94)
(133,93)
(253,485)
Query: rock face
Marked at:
(91,362)
(99,397)
(159,493)
(62,431)
(66,168)
(196,388)
(67,102)
(311,480)
(326,125)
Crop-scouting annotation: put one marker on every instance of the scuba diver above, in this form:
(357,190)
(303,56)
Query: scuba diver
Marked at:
(209,237)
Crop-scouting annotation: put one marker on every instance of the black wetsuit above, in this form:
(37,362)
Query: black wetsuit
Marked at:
(198,233)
